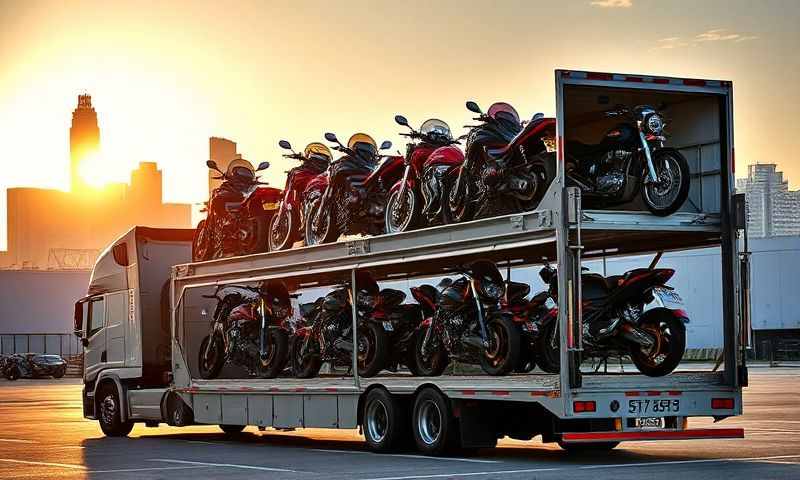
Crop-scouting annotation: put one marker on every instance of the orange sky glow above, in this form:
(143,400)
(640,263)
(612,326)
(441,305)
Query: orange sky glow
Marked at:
(164,76)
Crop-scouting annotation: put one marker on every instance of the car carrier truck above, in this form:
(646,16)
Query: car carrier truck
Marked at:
(146,310)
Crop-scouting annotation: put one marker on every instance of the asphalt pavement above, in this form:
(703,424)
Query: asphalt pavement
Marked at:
(43,435)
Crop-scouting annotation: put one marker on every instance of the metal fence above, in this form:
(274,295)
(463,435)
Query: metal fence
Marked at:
(50,343)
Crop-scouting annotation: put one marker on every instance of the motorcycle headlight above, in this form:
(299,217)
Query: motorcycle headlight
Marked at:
(493,290)
(655,124)
(365,300)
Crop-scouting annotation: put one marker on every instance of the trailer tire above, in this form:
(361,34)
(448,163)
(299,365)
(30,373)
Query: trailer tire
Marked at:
(109,413)
(232,430)
(435,428)
(385,421)
(587,447)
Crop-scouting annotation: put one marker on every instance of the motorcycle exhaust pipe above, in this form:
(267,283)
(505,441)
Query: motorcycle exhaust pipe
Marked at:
(474,341)
(637,336)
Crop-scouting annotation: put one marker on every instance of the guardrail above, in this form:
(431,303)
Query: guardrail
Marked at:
(48,343)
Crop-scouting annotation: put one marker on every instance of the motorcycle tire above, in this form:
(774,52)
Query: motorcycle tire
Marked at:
(13,373)
(210,367)
(201,243)
(672,334)
(410,220)
(278,348)
(679,161)
(284,239)
(375,355)
(458,211)
(433,366)
(548,358)
(503,353)
(527,359)
(257,232)
(545,172)
(304,366)
(328,234)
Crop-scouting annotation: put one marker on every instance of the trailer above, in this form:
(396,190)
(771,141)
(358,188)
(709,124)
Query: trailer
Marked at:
(153,377)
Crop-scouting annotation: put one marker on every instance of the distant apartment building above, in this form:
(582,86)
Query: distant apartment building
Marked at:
(223,151)
(773,209)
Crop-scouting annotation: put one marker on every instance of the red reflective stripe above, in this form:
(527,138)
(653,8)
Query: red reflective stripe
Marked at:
(467,392)
(694,82)
(331,389)
(299,389)
(733,160)
(653,393)
(560,141)
(599,76)
(674,393)
(634,79)
(631,394)
(661,81)
(501,393)
(668,435)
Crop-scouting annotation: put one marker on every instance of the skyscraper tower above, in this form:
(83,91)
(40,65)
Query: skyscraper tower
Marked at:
(84,139)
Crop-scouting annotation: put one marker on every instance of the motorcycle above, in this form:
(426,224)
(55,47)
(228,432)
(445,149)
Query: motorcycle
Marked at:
(634,314)
(508,164)
(524,313)
(468,325)
(286,224)
(326,334)
(239,212)
(400,321)
(631,159)
(432,152)
(249,329)
(353,201)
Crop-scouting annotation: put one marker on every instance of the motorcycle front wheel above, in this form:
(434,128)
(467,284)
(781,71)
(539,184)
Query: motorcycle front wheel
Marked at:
(548,356)
(666,354)
(402,215)
(458,205)
(277,345)
(373,349)
(282,230)
(211,357)
(320,225)
(201,243)
(665,196)
(305,365)
(255,236)
(435,362)
(502,355)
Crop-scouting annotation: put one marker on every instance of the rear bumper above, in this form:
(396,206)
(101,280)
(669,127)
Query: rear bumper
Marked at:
(694,434)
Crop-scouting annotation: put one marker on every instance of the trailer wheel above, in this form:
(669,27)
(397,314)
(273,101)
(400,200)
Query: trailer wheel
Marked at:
(109,413)
(232,429)
(385,421)
(587,447)
(433,424)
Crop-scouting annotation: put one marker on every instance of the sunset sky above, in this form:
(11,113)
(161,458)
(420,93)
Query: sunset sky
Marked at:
(164,76)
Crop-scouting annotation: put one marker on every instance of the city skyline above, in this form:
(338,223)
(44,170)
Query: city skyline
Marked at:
(271,71)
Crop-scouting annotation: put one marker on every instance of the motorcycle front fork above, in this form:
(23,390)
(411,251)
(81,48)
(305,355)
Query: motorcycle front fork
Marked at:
(652,177)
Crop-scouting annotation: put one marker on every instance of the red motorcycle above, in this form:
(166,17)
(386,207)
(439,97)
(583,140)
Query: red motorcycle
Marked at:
(286,225)
(355,196)
(239,212)
(432,149)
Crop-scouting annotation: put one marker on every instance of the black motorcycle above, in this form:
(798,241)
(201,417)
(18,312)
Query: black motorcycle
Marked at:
(634,314)
(326,334)
(469,325)
(400,321)
(508,164)
(354,199)
(249,329)
(631,159)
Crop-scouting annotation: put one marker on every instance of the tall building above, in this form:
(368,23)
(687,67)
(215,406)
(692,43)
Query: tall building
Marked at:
(222,151)
(772,209)
(84,139)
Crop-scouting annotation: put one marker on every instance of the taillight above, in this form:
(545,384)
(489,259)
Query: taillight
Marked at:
(722,404)
(581,406)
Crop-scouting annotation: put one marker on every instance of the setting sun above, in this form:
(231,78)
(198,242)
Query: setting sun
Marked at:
(93,171)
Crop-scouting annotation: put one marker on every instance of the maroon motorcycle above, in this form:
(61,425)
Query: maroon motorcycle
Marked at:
(429,149)
(287,223)
(238,215)
(354,199)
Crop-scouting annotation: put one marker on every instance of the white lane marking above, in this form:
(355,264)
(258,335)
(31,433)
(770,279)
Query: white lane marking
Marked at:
(16,440)
(418,457)
(145,469)
(46,464)
(228,465)
(590,467)
(202,442)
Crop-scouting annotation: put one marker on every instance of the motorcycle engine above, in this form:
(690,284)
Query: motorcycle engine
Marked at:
(610,178)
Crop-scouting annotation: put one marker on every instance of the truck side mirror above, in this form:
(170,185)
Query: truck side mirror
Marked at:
(78,319)
(740,211)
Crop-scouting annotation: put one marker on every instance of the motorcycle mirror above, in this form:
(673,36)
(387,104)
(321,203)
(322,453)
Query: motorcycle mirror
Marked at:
(537,116)
(473,107)
(212,165)
(331,137)
(263,166)
(285,145)
(386,145)
(401,120)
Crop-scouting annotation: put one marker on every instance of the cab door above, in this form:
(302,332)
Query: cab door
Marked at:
(94,346)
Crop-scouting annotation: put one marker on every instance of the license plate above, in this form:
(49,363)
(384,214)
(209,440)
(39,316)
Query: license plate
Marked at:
(650,422)
(388,326)
(669,298)
(647,406)
(269,206)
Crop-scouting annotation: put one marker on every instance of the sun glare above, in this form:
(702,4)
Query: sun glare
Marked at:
(93,171)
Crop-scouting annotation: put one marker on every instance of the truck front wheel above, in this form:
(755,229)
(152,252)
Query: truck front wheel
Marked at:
(109,412)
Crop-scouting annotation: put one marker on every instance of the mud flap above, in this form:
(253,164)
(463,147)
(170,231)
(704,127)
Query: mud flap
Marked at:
(476,425)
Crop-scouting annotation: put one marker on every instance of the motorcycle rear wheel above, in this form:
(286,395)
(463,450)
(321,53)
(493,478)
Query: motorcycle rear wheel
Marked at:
(399,217)
(671,343)
(211,364)
(282,230)
(667,195)
(308,365)
(201,243)
(278,348)
(435,363)
(548,357)
(373,349)
(326,230)
(502,355)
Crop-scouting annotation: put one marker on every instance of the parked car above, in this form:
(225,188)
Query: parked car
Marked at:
(32,365)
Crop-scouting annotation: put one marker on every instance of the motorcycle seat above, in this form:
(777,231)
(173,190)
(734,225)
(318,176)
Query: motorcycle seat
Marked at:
(532,128)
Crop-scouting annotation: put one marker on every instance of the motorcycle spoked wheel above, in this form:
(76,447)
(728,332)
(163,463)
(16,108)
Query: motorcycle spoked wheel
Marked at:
(502,355)
(433,364)
(308,365)
(277,343)
(210,363)
(283,230)
(668,194)
(320,226)
(548,356)
(201,242)
(255,237)
(402,215)
(372,349)
(459,207)
(664,357)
